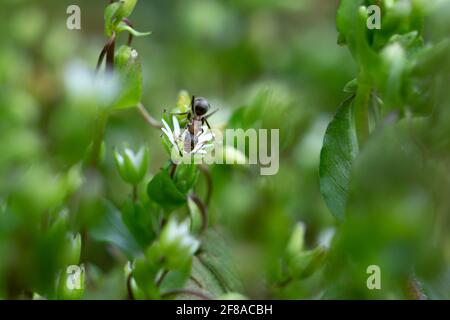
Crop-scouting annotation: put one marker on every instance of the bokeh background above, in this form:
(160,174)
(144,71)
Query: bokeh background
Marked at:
(278,59)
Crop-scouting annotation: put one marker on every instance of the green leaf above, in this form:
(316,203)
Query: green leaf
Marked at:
(346,22)
(124,27)
(186,176)
(203,280)
(217,259)
(345,16)
(339,149)
(162,190)
(139,221)
(351,24)
(429,59)
(111,12)
(129,68)
(177,278)
(112,230)
(351,86)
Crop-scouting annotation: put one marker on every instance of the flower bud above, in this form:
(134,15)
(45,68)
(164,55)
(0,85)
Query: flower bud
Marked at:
(295,244)
(301,263)
(305,263)
(183,105)
(71,283)
(176,245)
(184,101)
(132,166)
(126,9)
(74,248)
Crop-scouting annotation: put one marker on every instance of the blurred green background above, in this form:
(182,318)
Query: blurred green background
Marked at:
(278,59)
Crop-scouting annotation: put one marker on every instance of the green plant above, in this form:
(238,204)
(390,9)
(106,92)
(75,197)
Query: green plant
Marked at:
(377,152)
(162,251)
(93,206)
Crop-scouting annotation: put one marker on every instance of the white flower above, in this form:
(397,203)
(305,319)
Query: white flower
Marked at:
(82,83)
(177,245)
(177,138)
(172,135)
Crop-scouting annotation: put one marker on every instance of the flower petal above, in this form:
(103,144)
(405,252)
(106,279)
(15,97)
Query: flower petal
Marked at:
(166,125)
(176,127)
(205,137)
(206,146)
(198,147)
(167,133)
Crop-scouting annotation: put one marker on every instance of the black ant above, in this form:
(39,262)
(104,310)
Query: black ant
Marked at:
(196,117)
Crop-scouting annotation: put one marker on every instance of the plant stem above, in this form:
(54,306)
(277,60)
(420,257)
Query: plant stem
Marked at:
(101,57)
(205,170)
(129,288)
(361,108)
(147,117)
(110,53)
(173,168)
(203,211)
(130,35)
(161,278)
(107,51)
(98,138)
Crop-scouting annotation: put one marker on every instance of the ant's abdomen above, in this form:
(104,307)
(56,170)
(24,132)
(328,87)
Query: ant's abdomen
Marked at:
(190,141)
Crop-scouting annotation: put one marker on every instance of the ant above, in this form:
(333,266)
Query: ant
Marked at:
(196,117)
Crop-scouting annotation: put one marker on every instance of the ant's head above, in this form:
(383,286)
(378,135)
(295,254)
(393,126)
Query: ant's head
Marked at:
(200,106)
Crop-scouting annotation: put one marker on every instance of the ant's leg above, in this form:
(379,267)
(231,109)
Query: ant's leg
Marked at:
(180,113)
(192,104)
(204,120)
(188,113)
(210,114)
(209,127)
